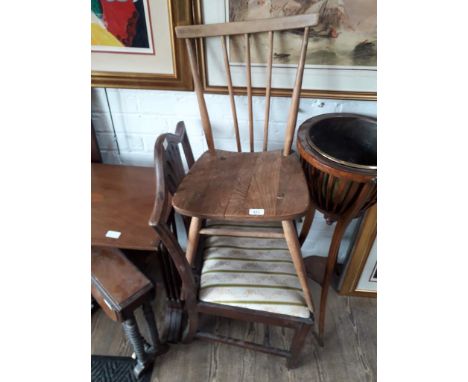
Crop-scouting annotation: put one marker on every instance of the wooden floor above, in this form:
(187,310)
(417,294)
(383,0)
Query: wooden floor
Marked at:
(350,352)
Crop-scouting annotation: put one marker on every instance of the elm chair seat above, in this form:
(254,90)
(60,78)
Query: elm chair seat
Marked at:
(252,273)
(227,185)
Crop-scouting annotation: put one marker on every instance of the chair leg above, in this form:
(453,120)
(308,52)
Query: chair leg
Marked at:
(174,306)
(308,219)
(157,347)
(192,242)
(296,256)
(331,260)
(297,344)
(130,328)
(191,328)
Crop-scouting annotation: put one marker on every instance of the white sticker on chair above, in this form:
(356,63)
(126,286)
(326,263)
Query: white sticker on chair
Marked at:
(113,234)
(256,211)
(109,305)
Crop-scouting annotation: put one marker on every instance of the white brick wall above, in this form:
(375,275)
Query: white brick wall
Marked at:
(141,115)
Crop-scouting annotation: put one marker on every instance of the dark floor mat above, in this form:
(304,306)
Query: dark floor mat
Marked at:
(115,369)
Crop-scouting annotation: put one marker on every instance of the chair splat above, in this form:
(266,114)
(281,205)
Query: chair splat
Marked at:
(293,109)
(200,97)
(249,90)
(231,93)
(268,90)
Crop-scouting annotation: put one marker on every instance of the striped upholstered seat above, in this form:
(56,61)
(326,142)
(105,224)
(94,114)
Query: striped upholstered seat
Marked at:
(251,273)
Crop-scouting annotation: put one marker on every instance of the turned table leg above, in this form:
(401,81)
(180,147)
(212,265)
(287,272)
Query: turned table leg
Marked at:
(133,335)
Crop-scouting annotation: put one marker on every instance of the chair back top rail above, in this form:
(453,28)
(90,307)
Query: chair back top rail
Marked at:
(244,27)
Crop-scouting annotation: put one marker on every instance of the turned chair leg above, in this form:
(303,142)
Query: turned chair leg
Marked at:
(290,234)
(297,344)
(133,335)
(157,347)
(308,219)
(192,242)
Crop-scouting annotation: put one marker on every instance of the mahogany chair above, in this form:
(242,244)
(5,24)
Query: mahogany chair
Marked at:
(266,186)
(241,278)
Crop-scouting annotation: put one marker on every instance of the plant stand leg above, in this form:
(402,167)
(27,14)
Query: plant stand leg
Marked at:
(308,219)
(331,260)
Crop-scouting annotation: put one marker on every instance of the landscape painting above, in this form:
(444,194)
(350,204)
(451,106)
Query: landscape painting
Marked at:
(345,37)
(121,26)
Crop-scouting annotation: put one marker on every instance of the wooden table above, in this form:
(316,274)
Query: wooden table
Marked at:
(122,199)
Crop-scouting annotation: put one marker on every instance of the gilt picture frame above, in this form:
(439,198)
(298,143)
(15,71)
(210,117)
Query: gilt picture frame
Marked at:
(337,81)
(359,277)
(137,48)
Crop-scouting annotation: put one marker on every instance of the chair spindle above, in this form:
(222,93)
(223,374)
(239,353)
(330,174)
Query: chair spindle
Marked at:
(249,91)
(268,91)
(231,92)
(201,99)
(293,110)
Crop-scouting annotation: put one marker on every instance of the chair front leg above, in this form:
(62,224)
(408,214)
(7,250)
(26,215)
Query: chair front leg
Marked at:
(156,346)
(290,234)
(192,242)
(297,344)
(192,326)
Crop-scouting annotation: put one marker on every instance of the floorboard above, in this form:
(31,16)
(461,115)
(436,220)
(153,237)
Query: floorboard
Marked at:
(350,352)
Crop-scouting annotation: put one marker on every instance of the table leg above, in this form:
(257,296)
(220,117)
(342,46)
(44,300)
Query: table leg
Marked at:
(133,335)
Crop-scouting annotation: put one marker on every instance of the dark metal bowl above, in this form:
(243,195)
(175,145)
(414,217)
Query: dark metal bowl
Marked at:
(348,139)
(339,157)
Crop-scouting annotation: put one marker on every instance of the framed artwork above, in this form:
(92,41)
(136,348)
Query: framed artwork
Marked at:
(133,44)
(341,59)
(359,277)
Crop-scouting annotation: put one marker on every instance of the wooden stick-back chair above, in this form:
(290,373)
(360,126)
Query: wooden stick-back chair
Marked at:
(203,290)
(247,186)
